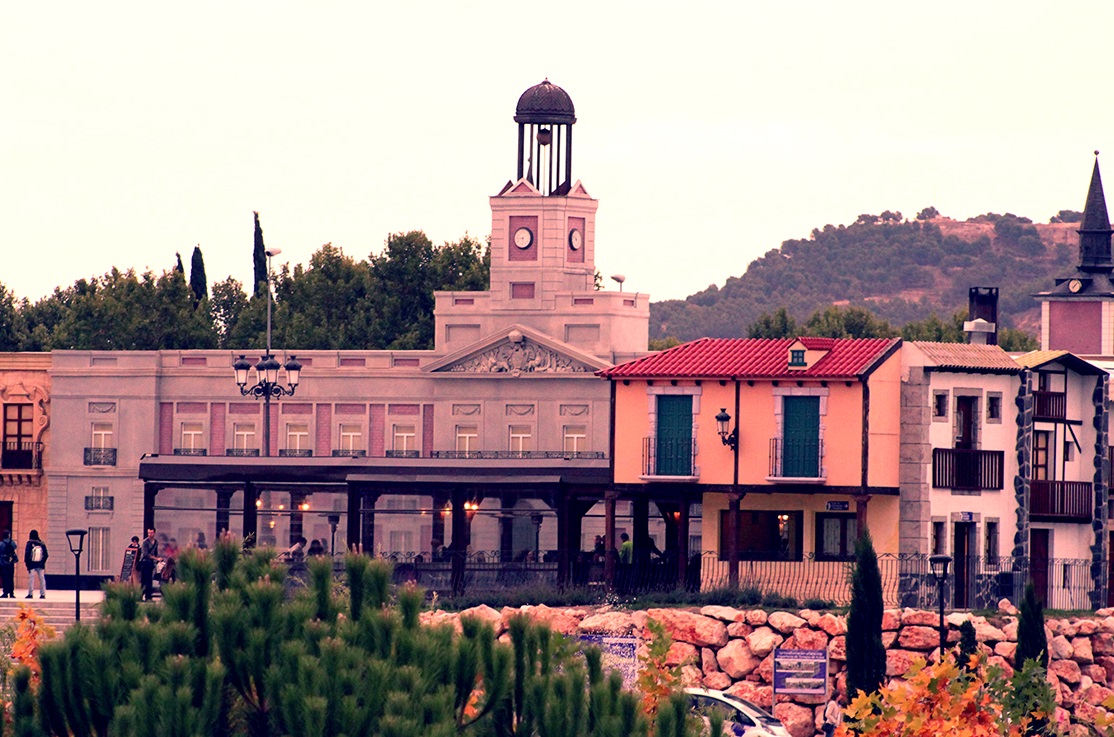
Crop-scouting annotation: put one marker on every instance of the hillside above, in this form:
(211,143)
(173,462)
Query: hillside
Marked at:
(899,270)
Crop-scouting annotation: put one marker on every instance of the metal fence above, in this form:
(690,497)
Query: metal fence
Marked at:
(907,580)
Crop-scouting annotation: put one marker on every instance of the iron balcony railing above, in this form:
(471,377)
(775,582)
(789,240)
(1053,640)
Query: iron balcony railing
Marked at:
(668,456)
(21,455)
(99,503)
(100,456)
(500,454)
(403,454)
(1050,405)
(967,470)
(337,453)
(242,452)
(191,451)
(1060,501)
(796,457)
(295,453)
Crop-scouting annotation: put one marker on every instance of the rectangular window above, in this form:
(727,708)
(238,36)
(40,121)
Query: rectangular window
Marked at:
(18,451)
(576,439)
(1041,466)
(102,435)
(405,439)
(401,541)
(938,542)
(765,535)
(100,550)
(993,407)
(192,436)
(467,438)
(796,357)
(939,405)
(1069,450)
(520,439)
(835,536)
(351,437)
(297,436)
(992,543)
(243,435)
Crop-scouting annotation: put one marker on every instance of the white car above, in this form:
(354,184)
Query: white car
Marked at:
(741,717)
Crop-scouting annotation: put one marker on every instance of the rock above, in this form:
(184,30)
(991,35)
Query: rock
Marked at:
(1095,672)
(888,639)
(898,662)
(681,653)
(799,720)
(763,640)
(1068,629)
(837,648)
(1066,670)
(1102,643)
(957,618)
(1106,624)
(638,618)
(756,617)
(1107,664)
(765,669)
(723,613)
(1006,650)
(691,677)
(708,662)
(1005,607)
(739,629)
(1105,612)
(919,638)
(557,620)
(784,622)
(1059,648)
(918,618)
(1081,650)
(810,616)
(1010,628)
(1086,712)
(692,628)
(736,660)
(1005,665)
(810,639)
(1095,694)
(485,613)
(832,624)
(718,681)
(619,624)
(891,620)
(761,695)
(1087,627)
(986,632)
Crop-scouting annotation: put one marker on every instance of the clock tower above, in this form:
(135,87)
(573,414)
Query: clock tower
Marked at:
(543,242)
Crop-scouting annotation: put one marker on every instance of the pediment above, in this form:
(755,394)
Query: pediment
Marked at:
(515,351)
(579,191)
(521,188)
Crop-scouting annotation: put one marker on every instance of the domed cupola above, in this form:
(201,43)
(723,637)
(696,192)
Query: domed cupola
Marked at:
(545,116)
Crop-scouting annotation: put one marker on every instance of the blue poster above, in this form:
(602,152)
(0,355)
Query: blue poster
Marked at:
(800,671)
(619,653)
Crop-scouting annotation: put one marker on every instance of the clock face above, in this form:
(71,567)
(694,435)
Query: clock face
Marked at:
(1074,286)
(576,240)
(523,237)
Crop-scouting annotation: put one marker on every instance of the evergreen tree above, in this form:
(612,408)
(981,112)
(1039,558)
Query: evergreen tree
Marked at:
(968,644)
(259,259)
(199,285)
(1032,643)
(866,656)
(178,266)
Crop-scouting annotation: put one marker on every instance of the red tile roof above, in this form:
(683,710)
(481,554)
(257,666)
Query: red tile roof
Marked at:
(758,358)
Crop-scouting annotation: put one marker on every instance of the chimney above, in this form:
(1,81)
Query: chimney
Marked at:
(982,316)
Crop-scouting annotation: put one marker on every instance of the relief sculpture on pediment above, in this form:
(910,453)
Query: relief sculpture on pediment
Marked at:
(524,356)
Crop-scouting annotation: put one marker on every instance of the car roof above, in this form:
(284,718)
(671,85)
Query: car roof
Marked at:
(731,699)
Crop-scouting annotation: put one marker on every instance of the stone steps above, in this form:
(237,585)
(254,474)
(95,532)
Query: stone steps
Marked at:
(57,610)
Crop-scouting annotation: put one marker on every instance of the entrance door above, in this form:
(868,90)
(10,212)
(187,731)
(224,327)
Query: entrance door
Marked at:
(963,560)
(801,437)
(1038,562)
(674,441)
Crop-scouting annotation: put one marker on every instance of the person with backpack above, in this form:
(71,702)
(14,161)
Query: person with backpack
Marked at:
(34,557)
(8,559)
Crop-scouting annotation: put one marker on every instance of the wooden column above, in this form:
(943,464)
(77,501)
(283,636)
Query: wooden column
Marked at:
(150,491)
(460,536)
(297,517)
(251,515)
(354,519)
(224,511)
(733,500)
(683,542)
(367,531)
(861,503)
(609,559)
(564,526)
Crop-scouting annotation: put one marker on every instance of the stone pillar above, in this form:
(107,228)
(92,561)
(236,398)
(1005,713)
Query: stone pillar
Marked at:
(915,464)
(1023,448)
(1100,400)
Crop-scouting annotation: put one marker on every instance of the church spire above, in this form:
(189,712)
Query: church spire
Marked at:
(1095,231)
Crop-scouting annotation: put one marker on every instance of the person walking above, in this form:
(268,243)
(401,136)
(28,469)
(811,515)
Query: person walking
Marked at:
(34,557)
(833,715)
(8,559)
(148,557)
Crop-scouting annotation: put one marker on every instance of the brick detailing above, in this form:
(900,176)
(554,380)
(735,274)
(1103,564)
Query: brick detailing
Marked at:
(376,430)
(166,428)
(427,429)
(191,408)
(1100,400)
(1024,403)
(351,409)
(216,428)
(243,408)
(324,441)
(300,408)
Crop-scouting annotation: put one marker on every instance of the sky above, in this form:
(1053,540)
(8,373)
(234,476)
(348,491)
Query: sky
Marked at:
(710,132)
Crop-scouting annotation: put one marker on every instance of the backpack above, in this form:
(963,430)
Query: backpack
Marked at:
(37,553)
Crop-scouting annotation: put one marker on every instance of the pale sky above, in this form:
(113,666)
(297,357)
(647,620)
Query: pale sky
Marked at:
(709,132)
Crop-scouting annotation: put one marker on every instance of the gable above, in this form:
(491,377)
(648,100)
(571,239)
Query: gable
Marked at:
(518,351)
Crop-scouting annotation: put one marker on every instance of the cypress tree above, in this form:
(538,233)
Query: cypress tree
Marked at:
(199,285)
(968,644)
(1032,644)
(178,266)
(259,259)
(866,656)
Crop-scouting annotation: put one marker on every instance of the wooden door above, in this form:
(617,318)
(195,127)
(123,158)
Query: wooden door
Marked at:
(674,442)
(801,437)
(963,561)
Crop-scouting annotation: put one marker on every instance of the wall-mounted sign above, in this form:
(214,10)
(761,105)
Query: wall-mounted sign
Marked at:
(966,516)
(800,671)
(838,506)
(619,653)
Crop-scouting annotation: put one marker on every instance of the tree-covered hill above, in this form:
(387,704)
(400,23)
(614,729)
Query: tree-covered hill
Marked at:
(902,271)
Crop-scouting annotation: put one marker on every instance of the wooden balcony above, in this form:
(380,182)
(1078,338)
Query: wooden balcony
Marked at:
(1050,405)
(1060,501)
(967,470)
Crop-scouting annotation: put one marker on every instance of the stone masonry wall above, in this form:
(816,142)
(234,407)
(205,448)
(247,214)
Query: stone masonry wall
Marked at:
(732,649)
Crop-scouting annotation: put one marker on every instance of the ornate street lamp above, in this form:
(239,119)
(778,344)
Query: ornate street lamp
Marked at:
(730,438)
(939,565)
(267,383)
(76,538)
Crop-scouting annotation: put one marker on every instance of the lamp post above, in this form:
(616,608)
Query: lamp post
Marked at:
(267,371)
(334,520)
(939,565)
(76,539)
(730,438)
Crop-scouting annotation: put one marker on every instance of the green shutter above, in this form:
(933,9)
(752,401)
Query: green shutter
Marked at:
(674,442)
(800,453)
